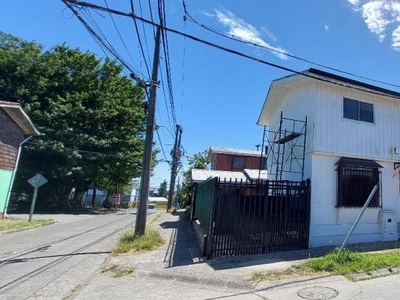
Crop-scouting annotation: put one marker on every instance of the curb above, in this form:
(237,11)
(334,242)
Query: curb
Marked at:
(360,276)
(216,282)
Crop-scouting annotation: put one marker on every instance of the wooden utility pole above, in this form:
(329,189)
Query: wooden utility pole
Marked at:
(175,159)
(141,215)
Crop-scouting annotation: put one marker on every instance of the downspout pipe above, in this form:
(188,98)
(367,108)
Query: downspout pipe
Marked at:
(13,176)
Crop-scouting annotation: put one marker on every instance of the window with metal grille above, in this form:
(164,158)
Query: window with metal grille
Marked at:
(355,185)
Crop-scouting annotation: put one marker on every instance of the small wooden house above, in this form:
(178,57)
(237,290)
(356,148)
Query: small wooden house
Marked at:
(15,124)
(230,159)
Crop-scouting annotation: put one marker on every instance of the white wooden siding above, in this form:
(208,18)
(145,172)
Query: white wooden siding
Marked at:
(337,135)
(297,104)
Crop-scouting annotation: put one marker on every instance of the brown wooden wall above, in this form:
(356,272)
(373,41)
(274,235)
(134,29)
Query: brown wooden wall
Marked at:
(10,137)
(224,162)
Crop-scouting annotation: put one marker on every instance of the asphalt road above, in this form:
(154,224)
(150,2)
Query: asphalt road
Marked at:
(52,261)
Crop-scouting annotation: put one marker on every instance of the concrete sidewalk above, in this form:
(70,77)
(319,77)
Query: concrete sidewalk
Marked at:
(179,264)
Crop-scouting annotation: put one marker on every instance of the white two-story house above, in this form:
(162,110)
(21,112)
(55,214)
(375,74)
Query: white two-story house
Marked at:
(352,142)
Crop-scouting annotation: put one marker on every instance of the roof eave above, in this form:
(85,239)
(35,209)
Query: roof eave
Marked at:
(277,90)
(19,116)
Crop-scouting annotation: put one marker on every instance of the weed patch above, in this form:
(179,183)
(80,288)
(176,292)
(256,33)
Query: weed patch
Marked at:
(124,272)
(130,242)
(160,205)
(347,262)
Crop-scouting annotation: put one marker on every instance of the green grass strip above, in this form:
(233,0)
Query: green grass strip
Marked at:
(8,225)
(347,262)
(343,263)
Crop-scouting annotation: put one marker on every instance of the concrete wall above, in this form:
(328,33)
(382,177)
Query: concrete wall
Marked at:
(329,225)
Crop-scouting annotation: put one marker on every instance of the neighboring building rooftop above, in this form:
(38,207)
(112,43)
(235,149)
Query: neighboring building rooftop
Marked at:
(232,151)
(200,175)
(19,116)
(158,199)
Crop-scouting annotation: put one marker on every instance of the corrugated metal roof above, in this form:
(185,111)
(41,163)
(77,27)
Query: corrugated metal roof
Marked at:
(19,116)
(254,174)
(199,175)
(233,151)
(157,199)
(353,82)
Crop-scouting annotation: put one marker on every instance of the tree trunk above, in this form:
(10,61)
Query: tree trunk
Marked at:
(94,197)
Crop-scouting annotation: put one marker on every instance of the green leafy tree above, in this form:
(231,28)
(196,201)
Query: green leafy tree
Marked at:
(92,117)
(163,190)
(198,161)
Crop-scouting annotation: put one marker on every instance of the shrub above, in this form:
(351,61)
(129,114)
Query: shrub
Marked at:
(106,204)
(186,214)
(126,204)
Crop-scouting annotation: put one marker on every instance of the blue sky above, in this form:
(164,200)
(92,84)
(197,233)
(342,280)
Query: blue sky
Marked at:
(217,96)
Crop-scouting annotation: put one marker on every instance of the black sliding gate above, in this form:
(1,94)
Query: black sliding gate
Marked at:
(245,218)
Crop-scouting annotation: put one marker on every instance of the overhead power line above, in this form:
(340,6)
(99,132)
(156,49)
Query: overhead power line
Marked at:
(226,49)
(232,37)
(140,41)
(162,17)
(119,33)
(161,145)
(104,43)
(48,145)
(144,31)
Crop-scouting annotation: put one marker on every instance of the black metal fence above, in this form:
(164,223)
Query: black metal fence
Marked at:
(246,218)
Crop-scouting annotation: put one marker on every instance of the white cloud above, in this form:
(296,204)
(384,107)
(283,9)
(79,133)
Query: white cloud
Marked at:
(380,16)
(396,11)
(207,14)
(326,28)
(246,32)
(374,14)
(396,39)
(269,33)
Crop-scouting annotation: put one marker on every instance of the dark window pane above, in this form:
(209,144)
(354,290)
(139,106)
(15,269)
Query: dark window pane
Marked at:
(366,112)
(350,109)
(238,163)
